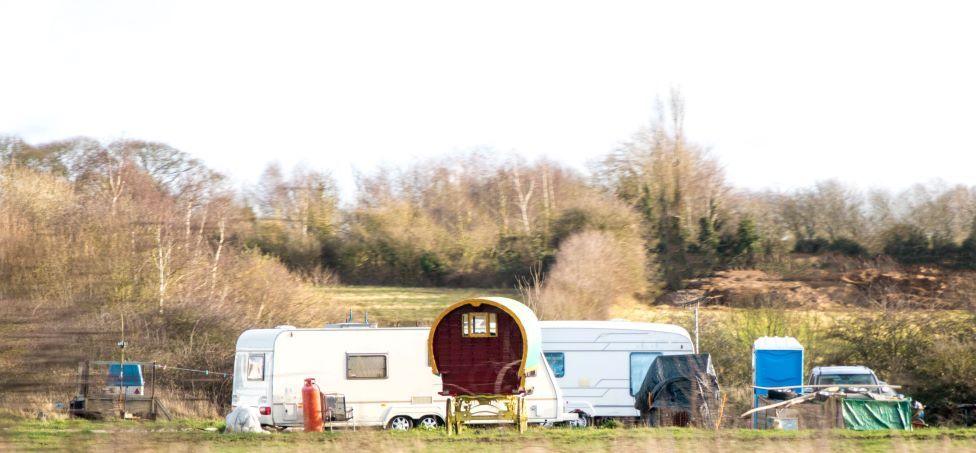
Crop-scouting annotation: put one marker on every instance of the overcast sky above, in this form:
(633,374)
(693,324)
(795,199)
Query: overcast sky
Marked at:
(874,93)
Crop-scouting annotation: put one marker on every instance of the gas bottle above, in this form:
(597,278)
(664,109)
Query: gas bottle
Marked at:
(312,404)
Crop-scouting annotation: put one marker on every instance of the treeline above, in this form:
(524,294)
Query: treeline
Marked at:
(478,219)
(465,220)
(475,219)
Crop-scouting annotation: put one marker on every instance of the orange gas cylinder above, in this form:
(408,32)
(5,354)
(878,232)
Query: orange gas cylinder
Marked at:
(312,404)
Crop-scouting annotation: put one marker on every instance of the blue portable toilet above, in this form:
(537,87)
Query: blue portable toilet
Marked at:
(776,362)
(125,376)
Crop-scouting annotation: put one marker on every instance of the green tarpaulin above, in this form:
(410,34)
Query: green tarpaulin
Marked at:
(862,415)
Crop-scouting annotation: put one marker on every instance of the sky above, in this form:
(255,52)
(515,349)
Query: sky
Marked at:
(877,94)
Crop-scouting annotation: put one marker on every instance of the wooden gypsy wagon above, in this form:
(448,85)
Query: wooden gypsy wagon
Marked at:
(483,349)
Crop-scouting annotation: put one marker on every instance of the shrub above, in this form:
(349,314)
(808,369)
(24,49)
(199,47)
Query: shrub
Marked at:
(594,213)
(592,270)
(932,356)
(847,246)
(295,251)
(729,339)
(842,245)
(517,256)
(432,268)
(907,244)
(967,252)
(812,246)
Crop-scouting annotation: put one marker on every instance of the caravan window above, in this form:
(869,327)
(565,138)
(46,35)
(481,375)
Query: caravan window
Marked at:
(640,362)
(255,367)
(479,325)
(365,366)
(557,361)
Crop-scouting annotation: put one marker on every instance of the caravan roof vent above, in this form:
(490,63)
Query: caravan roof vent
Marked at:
(349,325)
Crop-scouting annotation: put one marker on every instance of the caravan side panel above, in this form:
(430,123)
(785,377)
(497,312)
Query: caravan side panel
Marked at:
(600,365)
(376,370)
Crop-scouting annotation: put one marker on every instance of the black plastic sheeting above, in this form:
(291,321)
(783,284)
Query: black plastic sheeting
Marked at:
(680,383)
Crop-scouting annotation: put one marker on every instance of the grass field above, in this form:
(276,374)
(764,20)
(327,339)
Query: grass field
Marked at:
(394,306)
(187,435)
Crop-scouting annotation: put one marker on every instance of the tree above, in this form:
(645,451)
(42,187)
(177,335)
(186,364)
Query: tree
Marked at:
(297,215)
(747,241)
(708,240)
(967,250)
(671,181)
(906,243)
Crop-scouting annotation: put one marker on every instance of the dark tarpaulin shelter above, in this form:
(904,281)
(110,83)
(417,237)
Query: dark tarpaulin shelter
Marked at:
(679,390)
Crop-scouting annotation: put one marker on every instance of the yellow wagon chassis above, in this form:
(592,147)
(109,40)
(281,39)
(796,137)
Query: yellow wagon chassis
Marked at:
(494,408)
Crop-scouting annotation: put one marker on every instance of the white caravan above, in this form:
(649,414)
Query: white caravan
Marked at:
(383,373)
(600,365)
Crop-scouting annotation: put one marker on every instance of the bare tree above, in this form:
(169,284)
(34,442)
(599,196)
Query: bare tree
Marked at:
(524,197)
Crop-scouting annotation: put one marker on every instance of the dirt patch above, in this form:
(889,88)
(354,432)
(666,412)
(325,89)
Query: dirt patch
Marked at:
(756,288)
(926,282)
(917,287)
(831,288)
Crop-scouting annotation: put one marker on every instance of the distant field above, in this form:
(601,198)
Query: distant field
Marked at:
(391,305)
(409,306)
(20,434)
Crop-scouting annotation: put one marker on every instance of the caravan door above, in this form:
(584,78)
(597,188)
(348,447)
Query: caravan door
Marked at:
(252,382)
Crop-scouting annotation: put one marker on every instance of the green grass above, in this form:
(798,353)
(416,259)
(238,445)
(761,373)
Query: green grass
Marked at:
(21,434)
(395,306)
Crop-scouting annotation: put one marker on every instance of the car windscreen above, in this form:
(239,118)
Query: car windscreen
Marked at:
(846,379)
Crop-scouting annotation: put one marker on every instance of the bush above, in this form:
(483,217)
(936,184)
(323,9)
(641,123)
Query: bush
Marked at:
(592,270)
(933,356)
(812,246)
(517,256)
(297,252)
(967,253)
(842,245)
(432,268)
(594,213)
(906,244)
(729,339)
(847,246)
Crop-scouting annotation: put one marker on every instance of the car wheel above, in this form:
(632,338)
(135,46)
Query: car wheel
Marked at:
(429,422)
(400,423)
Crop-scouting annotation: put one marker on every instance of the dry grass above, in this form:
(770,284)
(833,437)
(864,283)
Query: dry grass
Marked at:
(400,306)
(187,435)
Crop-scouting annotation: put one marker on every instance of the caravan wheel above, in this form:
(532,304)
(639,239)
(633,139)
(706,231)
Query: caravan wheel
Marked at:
(429,422)
(400,423)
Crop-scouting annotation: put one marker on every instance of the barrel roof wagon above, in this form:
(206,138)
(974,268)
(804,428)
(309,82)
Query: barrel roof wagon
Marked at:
(485,346)
(484,349)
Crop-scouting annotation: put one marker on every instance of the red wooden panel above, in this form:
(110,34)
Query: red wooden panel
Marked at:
(478,366)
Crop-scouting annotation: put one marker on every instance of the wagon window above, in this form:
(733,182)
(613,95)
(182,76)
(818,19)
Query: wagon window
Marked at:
(479,325)
(366,366)
(255,367)
(557,361)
